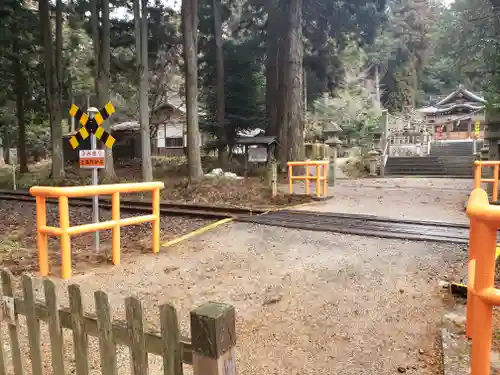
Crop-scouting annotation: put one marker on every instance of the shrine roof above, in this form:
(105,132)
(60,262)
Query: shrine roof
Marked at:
(450,107)
(462,94)
(257,140)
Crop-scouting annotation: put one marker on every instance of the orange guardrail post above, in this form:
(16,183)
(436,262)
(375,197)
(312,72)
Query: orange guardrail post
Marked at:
(478,175)
(495,183)
(156,222)
(42,238)
(481,294)
(325,179)
(65,240)
(115,235)
(65,231)
(307,180)
(320,179)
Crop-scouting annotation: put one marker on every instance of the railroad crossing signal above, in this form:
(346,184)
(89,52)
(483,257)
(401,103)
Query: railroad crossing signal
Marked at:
(92,125)
(477,127)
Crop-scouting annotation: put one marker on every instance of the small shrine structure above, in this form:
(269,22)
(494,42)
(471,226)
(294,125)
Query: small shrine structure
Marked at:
(453,117)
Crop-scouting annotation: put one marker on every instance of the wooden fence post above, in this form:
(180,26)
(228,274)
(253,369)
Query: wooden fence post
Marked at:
(213,335)
(272,176)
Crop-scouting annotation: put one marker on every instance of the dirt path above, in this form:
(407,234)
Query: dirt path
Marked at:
(306,302)
(439,199)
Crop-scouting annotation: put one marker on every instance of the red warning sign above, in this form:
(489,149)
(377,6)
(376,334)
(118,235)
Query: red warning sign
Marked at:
(91,158)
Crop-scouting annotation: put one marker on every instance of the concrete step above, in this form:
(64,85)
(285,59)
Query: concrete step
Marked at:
(412,159)
(439,154)
(452,149)
(414,173)
(415,169)
(445,165)
(414,166)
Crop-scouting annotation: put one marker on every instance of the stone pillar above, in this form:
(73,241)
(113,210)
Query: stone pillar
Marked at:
(491,136)
(333,143)
(483,153)
(373,158)
(384,130)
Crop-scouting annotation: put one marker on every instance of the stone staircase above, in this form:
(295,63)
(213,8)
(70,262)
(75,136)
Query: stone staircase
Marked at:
(414,166)
(445,159)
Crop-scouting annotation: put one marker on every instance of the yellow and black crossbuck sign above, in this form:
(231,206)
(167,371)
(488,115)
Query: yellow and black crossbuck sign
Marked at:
(92,125)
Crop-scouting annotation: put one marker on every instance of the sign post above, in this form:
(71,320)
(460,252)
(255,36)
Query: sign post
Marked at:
(93,158)
(95,181)
(13,162)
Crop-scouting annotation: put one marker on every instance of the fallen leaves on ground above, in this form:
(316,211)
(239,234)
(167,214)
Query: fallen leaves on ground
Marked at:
(18,241)
(252,192)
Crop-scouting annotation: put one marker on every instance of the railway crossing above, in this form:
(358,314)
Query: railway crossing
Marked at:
(92,125)
(368,249)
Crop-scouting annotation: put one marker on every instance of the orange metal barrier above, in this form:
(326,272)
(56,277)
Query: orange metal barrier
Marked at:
(320,177)
(481,294)
(65,230)
(478,176)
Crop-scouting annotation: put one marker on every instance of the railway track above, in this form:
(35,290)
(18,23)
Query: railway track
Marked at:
(355,224)
(168,209)
(365,225)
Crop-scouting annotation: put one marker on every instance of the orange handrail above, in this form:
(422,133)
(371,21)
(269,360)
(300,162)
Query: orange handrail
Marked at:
(319,178)
(478,175)
(65,231)
(481,294)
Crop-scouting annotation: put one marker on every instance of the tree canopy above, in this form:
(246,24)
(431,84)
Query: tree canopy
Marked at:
(276,59)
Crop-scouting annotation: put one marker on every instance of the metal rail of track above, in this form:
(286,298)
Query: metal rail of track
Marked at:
(355,224)
(169,209)
(365,225)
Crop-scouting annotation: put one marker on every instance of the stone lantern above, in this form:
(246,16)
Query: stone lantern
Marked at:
(483,152)
(377,137)
(330,133)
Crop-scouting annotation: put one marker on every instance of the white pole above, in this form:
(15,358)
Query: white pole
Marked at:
(14,177)
(95,181)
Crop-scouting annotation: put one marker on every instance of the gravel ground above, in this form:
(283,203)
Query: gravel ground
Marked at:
(306,302)
(439,199)
(18,243)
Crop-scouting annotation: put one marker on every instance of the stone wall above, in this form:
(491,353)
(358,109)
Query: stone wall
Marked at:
(407,150)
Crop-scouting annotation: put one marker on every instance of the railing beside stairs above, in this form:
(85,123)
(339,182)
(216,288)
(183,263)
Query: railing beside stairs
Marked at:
(385,154)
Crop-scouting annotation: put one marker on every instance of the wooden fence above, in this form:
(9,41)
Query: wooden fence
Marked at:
(174,349)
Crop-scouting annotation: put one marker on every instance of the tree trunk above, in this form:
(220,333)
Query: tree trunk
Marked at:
(21,123)
(492,113)
(282,97)
(96,38)
(190,31)
(141,47)
(221,104)
(59,51)
(272,72)
(2,158)
(101,40)
(294,77)
(54,108)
